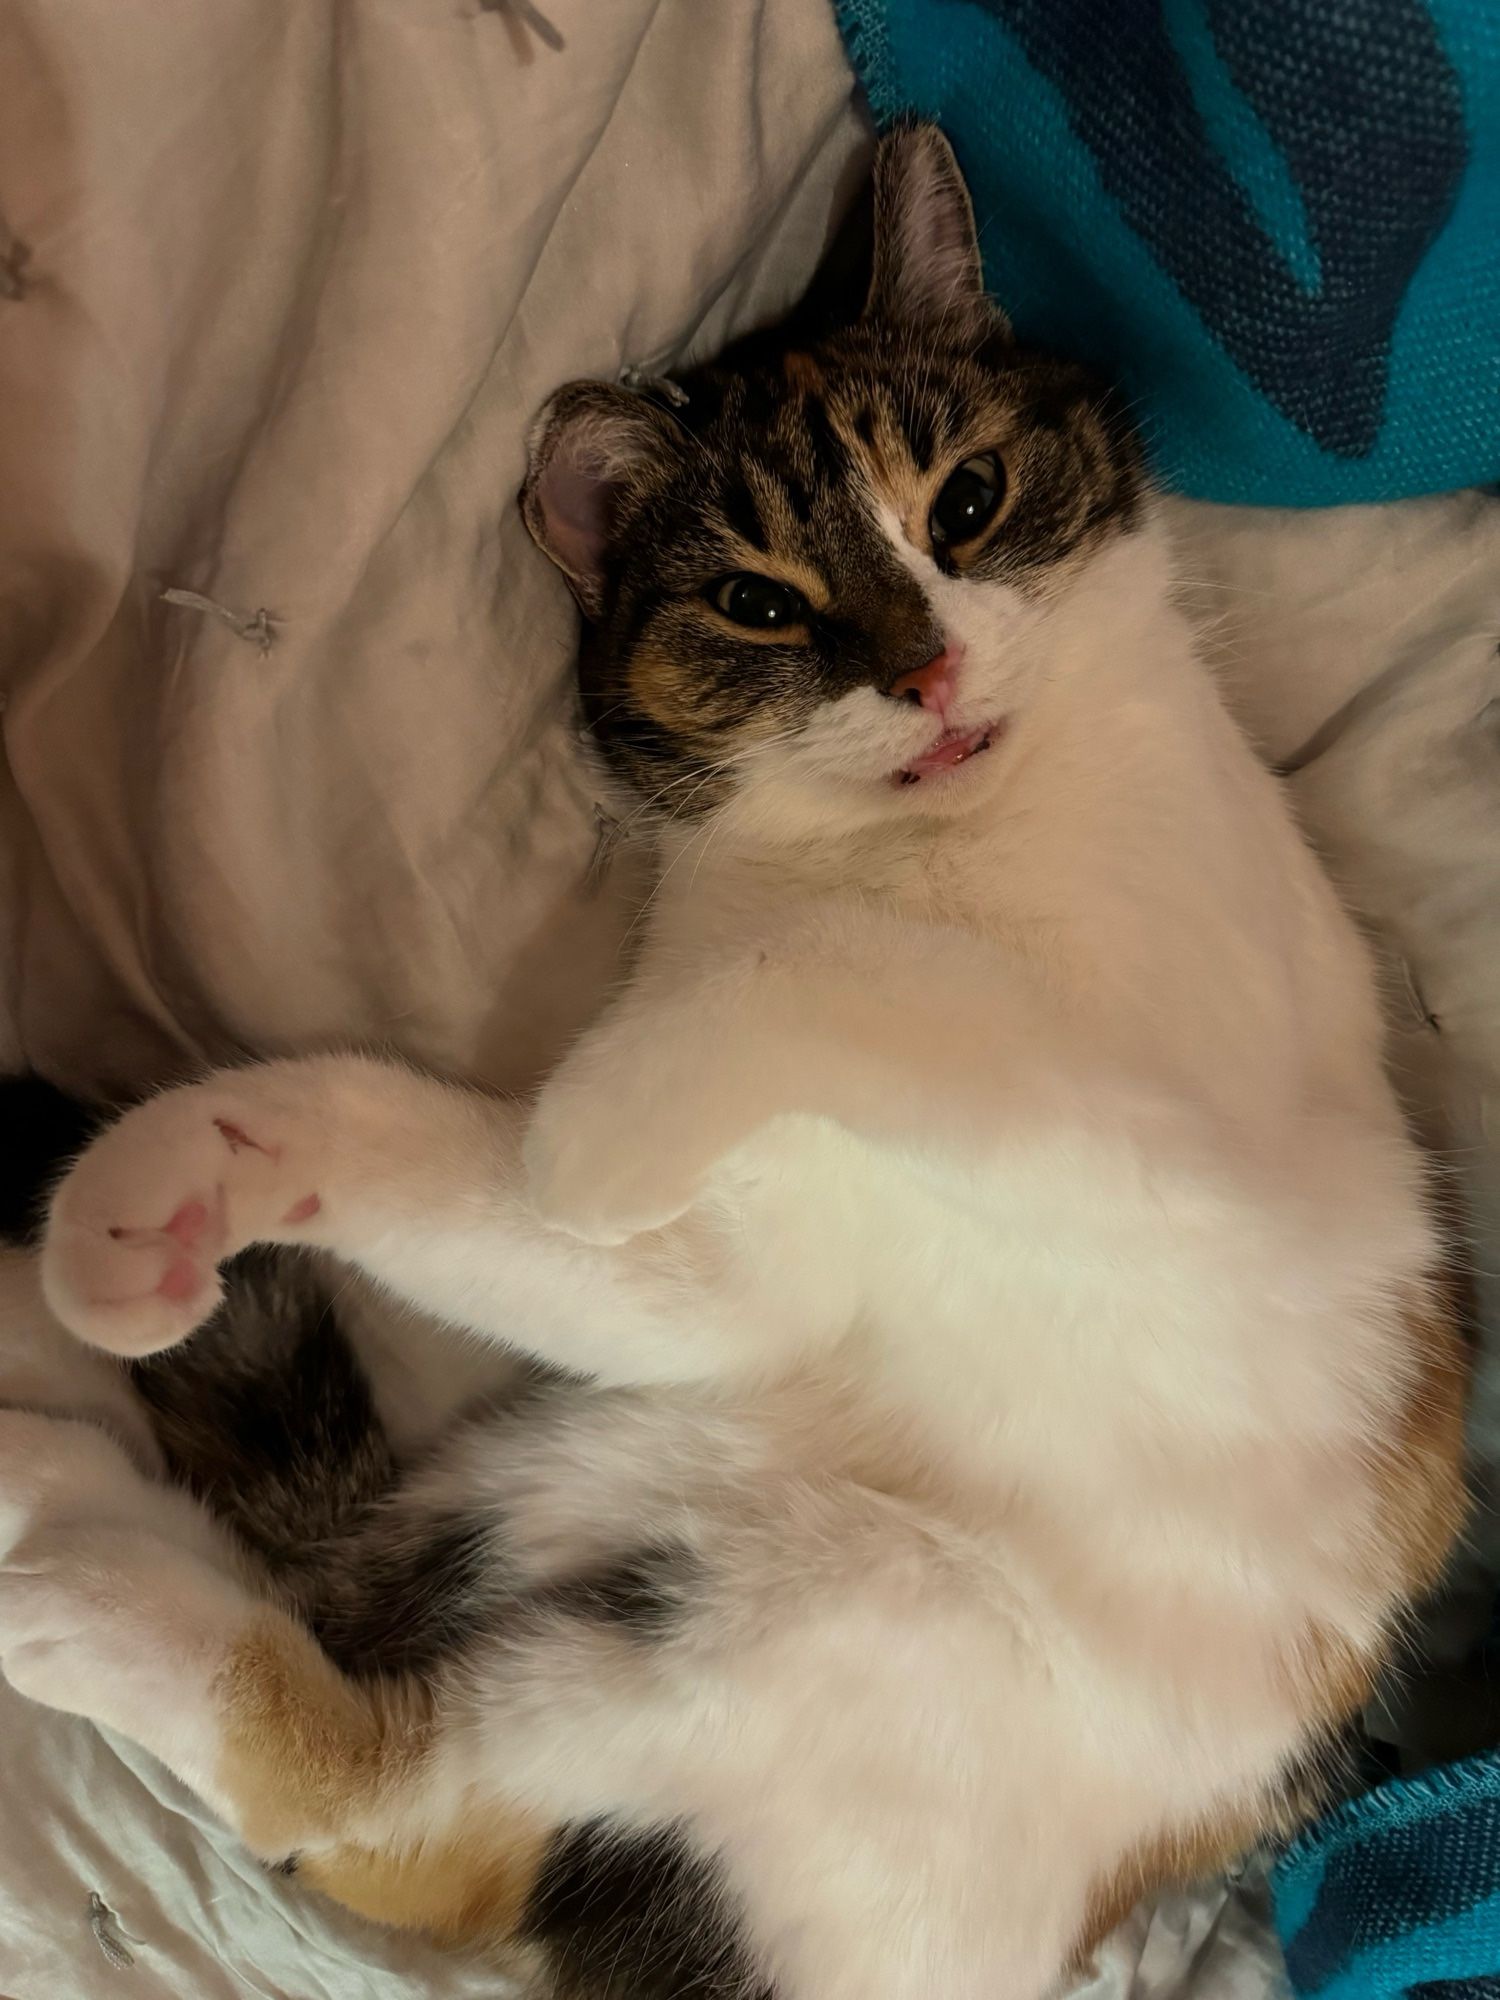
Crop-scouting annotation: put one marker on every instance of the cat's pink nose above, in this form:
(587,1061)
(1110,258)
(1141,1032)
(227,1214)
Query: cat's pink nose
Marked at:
(931,687)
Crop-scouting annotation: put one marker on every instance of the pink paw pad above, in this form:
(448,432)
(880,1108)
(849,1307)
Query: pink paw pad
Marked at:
(304,1210)
(181,1281)
(188,1224)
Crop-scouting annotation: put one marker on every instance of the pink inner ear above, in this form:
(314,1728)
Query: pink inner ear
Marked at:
(937,260)
(577,505)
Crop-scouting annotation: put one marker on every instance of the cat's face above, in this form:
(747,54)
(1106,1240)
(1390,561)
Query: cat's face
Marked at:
(836,568)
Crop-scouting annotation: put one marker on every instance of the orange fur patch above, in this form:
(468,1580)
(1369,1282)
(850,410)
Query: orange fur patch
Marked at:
(470,1888)
(1327,1677)
(665,688)
(1424,1503)
(1420,1508)
(309,1755)
(305,1748)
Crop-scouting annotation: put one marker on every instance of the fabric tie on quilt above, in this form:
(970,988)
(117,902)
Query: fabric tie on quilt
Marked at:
(1276,223)
(1397,1894)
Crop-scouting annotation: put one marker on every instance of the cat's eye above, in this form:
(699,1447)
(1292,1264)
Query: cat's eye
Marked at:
(758,602)
(969,501)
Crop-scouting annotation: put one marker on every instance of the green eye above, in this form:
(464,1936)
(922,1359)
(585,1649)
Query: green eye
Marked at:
(757,602)
(968,502)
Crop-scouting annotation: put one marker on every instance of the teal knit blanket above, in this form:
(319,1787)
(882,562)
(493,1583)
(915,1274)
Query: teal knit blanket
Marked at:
(1398,1893)
(1275,223)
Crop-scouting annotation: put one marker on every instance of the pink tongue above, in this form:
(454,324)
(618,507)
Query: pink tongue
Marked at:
(943,755)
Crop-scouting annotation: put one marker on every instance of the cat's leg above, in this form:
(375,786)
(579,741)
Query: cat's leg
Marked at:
(682,1073)
(419,1182)
(122,1602)
(580,1239)
(117,1592)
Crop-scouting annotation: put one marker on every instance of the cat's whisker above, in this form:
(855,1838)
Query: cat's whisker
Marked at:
(596,722)
(663,877)
(743,761)
(700,775)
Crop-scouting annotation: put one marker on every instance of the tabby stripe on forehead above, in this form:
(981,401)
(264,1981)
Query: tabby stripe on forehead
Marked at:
(742,513)
(759,401)
(830,456)
(1053,409)
(796,495)
(920,433)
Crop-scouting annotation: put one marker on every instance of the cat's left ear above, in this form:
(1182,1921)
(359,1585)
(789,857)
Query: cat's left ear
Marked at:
(594,447)
(927,270)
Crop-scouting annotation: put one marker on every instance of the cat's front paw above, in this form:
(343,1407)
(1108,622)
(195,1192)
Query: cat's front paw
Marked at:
(139,1227)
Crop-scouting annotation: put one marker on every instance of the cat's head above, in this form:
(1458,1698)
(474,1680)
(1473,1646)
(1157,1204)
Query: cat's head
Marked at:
(836,570)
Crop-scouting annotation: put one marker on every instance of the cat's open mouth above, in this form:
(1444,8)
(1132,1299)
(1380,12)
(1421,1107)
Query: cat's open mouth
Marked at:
(956,747)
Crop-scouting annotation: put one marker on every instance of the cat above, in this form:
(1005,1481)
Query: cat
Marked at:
(999,1398)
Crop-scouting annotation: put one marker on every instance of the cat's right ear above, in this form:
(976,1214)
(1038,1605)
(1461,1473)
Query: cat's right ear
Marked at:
(927,272)
(593,445)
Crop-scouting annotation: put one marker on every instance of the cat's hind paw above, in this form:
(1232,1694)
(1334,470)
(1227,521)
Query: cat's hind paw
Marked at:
(113,1601)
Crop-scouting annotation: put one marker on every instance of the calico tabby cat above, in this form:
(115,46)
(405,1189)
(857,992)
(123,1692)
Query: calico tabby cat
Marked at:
(1002,1401)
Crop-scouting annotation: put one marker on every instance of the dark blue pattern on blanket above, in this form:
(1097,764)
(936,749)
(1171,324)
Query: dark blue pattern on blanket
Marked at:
(1316,343)
(1397,1895)
(1277,222)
